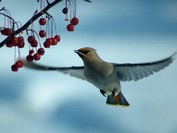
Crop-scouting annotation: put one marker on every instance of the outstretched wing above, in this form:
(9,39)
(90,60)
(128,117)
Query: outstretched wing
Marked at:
(75,71)
(129,72)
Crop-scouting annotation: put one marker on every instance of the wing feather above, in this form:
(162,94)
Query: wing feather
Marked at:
(129,72)
(75,71)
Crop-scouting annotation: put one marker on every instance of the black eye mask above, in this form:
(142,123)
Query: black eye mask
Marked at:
(85,52)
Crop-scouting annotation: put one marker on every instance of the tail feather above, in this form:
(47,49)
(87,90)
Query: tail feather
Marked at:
(118,99)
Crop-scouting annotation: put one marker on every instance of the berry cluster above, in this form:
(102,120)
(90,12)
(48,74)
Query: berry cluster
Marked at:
(70,4)
(50,35)
(36,50)
(14,41)
(47,33)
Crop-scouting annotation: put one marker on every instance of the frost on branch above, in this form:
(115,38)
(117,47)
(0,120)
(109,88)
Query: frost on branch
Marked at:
(14,31)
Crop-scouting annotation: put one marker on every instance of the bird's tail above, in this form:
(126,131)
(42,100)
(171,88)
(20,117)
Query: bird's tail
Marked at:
(118,99)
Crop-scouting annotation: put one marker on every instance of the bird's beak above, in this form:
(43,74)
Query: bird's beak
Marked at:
(78,52)
(81,55)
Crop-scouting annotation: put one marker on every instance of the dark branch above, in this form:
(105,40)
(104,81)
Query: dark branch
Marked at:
(88,1)
(29,22)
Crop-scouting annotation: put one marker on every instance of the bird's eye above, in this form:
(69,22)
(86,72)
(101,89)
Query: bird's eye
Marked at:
(85,52)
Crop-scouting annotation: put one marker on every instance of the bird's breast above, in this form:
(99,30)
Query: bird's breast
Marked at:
(105,82)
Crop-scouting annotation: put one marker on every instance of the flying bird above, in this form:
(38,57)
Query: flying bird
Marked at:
(107,76)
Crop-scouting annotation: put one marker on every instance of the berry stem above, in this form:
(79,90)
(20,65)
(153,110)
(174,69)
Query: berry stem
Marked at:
(15,53)
(7,16)
(19,54)
(55,26)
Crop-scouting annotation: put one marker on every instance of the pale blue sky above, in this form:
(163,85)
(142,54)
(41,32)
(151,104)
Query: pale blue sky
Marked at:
(122,31)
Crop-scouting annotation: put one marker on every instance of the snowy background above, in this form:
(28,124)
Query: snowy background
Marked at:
(122,31)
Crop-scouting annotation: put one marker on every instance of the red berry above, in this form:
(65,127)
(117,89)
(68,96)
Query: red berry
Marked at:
(14,68)
(21,45)
(14,40)
(70,27)
(34,43)
(49,41)
(3,32)
(46,45)
(65,10)
(21,42)
(31,51)
(29,58)
(42,21)
(37,56)
(58,38)
(20,39)
(74,21)
(42,33)
(8,31)
(41,51)
(19,64)
(31,39)
(54,41)
(9,45)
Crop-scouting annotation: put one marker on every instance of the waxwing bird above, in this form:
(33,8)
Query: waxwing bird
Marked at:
(107,76)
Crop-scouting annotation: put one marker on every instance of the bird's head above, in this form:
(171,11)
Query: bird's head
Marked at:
(87,53)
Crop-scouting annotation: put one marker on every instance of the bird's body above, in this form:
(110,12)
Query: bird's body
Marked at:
(101,74)
(107,76)
(107,83)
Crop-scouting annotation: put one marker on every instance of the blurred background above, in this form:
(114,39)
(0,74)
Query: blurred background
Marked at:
(122,31)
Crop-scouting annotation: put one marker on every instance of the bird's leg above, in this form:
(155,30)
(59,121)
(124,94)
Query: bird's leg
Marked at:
(103,93)
(114,92)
